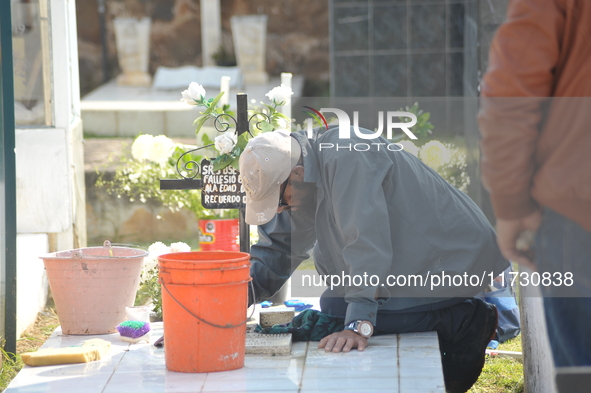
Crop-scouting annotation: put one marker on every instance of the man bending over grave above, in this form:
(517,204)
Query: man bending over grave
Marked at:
(374,213)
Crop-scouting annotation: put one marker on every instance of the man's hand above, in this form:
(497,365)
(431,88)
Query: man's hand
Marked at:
(508,232)
(343,341)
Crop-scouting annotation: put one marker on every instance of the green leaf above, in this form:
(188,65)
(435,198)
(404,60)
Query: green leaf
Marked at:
(425,116)
(265,126)
(214,101)
(271,108)
(200,121)
(222,161)
(197,120)
(243,140)
(236,163)
(236,151)
(279,115)
(206,139)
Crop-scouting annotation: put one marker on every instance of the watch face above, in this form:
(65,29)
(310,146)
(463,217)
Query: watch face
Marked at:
(365,329)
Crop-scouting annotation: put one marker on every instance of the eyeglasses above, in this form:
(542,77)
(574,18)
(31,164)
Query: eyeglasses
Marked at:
(282,188)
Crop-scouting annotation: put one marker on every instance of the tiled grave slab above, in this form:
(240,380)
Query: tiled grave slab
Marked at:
(395,363)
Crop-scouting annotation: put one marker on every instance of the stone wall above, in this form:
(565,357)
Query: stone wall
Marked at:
(121,221)
(297,35)
(109,217)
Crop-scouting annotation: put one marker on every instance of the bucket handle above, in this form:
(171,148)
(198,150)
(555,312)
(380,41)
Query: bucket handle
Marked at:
(228,326)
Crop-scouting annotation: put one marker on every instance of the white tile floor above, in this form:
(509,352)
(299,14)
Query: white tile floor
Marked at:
(396,363)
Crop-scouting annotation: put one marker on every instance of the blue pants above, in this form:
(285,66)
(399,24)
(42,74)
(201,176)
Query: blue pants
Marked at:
(562,246)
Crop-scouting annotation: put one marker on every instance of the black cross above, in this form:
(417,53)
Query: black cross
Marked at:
(242,126)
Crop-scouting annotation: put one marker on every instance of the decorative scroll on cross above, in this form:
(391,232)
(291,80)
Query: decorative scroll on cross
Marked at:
(220,189)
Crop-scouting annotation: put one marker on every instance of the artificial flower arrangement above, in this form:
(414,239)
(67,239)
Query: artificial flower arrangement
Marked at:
(445,158)
(228,144)
(150,290)
(155,157)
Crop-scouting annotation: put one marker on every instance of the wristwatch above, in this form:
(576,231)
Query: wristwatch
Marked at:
(363,328)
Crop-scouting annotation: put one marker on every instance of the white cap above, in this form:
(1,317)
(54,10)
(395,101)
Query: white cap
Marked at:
(265,164)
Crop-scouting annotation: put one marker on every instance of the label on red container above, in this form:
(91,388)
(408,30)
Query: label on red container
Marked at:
(219,235)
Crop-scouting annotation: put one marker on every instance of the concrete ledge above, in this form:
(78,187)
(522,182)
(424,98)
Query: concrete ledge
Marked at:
(123,111)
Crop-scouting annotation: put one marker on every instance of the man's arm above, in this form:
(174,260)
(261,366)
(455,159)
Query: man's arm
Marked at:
(358,204)
(356,198)
(282,246)
(520,75)
(522,67)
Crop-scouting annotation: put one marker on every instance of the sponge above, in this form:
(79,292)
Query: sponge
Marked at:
(90,351)
(134,331)
(276,316)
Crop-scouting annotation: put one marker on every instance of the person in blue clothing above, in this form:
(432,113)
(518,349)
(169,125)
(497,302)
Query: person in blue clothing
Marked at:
(369,209)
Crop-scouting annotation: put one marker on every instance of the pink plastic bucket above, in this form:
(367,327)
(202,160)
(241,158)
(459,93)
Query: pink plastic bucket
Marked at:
(92,286)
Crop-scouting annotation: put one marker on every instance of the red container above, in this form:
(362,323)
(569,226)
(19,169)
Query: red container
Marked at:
(219,235)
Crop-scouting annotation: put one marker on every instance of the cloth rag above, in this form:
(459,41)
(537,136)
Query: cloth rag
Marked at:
(309,325)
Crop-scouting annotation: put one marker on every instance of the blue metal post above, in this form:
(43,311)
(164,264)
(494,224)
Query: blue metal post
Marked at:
(7,177)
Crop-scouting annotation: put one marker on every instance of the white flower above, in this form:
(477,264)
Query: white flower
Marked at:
(180,247)
(194,94)
(157,249)
(160,149)
(150,148)
(279,94)
(225,143)
(141,146)
(151,261)
(282,122)
(410,147)
(434,154)
(134,177)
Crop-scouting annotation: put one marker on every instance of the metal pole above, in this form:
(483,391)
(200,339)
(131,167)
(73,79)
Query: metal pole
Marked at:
(102,23)
(7,178)
(242,127)
(244,231)
(241,113)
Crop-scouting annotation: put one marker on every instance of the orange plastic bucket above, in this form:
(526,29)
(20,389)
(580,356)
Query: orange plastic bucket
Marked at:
(199,277)
(219,235)
(202,260)
(204,302)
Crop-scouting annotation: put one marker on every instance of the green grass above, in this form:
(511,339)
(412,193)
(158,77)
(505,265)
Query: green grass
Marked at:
(9,369)
(501,374)
(308,264)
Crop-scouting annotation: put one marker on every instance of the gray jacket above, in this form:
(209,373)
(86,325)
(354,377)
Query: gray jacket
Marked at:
(379,212)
